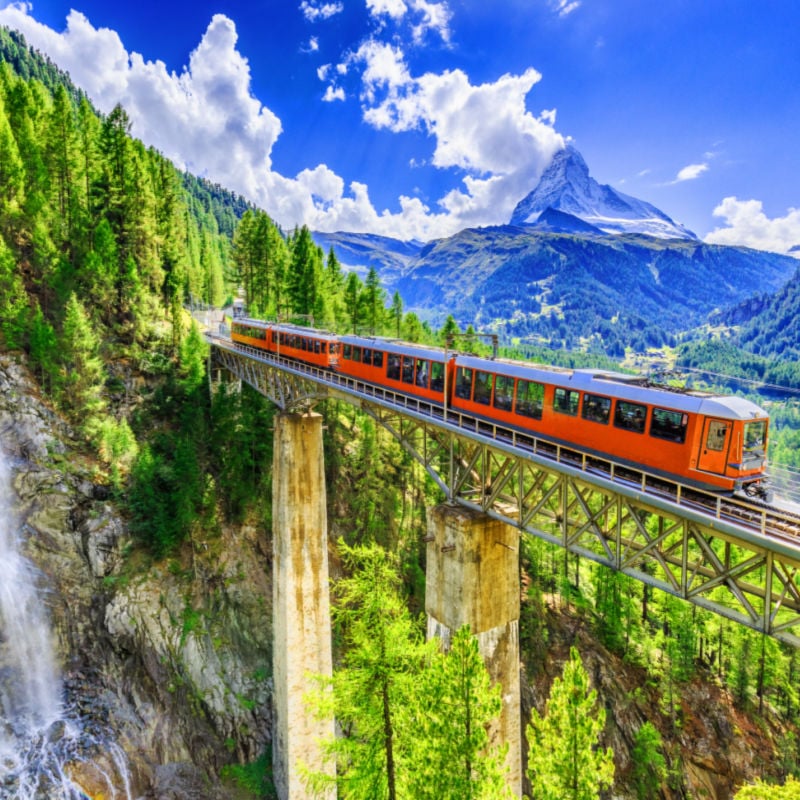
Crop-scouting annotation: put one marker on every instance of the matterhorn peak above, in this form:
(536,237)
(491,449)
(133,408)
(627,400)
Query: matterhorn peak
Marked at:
(567,187)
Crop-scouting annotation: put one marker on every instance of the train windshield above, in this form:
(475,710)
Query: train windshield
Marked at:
(755,435)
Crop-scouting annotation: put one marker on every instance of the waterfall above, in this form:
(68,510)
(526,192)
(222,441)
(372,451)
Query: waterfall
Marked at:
(40,740)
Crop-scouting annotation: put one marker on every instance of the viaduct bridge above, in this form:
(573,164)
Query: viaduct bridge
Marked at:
(733,558)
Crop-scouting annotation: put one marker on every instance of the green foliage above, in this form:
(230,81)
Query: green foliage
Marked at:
(382,650)
(82,376)
(413,719)
(649,764)
(765,791)
(450,757)
(564,761)
(254,778)
(13,302)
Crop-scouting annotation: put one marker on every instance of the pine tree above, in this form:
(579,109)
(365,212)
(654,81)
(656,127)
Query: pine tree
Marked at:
(649,765)
(450,755)
(383,649)
(564,761)
(82,375)
(448,330)
(373,301)
(352,301)
(13,302)
(396,313)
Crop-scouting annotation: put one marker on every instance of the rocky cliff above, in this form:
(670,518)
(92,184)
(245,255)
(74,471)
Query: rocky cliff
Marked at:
(167,663)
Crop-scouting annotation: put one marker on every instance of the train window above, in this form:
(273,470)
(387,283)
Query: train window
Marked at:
(347,352)
(483,387)
(670,425)
(408,369)
(716,435)
(377,358)
(334,349)
(393,366)
(530,399)
(317,346)
(356,353)
(503,392)
(423,370)
(565,401)
(437,376)
(463,383)
(630,416)
(596,408)
(755,438)
(366,356)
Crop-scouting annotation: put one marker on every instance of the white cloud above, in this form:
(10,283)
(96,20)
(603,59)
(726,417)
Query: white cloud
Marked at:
(749,226)
(314,11)
(312,46)
(690,172)
(431,17)
(423,15)
(396,9)
(565,7)
(333,93)
(206,120)
(484,130)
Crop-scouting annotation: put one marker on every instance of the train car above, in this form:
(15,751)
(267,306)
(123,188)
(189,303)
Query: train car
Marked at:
(253,332)
(320,348)
(709,441)
(401,366)
(311,346)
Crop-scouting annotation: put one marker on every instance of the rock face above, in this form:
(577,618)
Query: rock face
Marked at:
(170,668)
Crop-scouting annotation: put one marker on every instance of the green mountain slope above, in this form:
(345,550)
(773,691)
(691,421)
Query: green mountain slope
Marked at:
(626,288)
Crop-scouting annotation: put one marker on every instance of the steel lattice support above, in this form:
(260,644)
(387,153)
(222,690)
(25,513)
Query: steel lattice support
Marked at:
(717,564)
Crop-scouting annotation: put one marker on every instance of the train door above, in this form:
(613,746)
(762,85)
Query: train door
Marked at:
(714,445)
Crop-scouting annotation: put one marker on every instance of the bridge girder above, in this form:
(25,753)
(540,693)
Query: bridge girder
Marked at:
(715,563)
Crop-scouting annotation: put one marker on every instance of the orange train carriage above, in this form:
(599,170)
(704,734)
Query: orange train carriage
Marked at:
(705,440)
(319,348)
(710,441)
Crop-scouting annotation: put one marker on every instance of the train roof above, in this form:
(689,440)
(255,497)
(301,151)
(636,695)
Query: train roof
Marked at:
(395,346)
(285,327)
(619,385)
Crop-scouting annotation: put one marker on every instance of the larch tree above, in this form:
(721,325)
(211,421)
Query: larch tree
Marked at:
(450,754)
(368,692)
(564,759)
(82,373)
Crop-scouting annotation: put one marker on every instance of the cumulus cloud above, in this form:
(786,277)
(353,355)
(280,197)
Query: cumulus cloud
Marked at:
(424,16)
(333,93)
(315,11)
(690,172)
(206,120)
(747,225)
(484,130)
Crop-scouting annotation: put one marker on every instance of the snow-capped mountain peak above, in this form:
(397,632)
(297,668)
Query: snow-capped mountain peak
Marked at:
(566,186)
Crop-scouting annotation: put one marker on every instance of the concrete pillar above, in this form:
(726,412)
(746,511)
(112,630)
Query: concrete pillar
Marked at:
(472,579)
(301,603)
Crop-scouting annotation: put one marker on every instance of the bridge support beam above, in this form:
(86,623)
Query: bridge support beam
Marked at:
(473,579)
(301,603)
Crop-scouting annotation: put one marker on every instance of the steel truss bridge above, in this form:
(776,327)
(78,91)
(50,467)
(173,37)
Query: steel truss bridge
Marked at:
(737,559)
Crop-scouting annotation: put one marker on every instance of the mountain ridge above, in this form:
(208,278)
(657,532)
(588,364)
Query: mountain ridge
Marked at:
(567,186)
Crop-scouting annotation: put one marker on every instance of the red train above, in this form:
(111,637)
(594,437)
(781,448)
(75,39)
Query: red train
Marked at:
(704,440)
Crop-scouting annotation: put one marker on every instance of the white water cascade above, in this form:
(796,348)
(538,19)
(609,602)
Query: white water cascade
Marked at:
(39,739)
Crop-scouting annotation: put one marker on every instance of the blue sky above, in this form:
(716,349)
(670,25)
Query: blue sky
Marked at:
(416,118)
